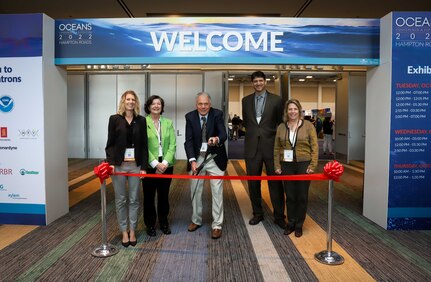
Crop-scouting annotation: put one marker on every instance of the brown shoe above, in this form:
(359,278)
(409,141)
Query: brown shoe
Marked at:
(216,233)
(193,227)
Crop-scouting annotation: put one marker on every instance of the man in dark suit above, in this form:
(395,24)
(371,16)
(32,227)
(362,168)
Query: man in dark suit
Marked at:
(205,137)
(262,112)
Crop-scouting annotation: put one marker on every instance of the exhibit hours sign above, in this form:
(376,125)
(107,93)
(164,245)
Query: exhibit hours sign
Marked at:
(410,160)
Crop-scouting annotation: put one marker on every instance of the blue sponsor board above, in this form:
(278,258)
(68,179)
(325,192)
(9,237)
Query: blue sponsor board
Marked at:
(217,41)
(409,205)
(31,214)
(21,35)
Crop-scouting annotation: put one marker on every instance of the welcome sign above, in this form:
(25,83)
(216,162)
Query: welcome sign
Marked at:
(217,41)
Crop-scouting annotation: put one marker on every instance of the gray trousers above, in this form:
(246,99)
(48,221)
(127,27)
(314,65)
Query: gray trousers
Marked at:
(127,199)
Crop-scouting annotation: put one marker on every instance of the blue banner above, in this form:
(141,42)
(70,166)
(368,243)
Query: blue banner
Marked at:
(218,41)
(21,35)
(410,146)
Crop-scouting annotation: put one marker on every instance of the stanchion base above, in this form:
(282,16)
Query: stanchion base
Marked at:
(104,251)
(327,257)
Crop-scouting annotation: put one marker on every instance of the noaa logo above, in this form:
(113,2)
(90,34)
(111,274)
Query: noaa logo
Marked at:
(6,104)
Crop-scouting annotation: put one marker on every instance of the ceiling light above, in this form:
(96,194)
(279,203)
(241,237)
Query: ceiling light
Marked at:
(301,79)
(309,76)
(88,66)
(230,79)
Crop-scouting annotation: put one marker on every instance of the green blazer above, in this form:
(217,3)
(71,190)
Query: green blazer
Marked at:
(169,143)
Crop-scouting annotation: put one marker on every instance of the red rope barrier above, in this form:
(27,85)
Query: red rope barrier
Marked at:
(332,170)
(232,177)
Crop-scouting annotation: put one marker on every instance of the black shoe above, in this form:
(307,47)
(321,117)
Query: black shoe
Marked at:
(125,244)
(151,231)
(298,232)
(133,243)
(288,230)
(165,229)
(255,220)
(281,223)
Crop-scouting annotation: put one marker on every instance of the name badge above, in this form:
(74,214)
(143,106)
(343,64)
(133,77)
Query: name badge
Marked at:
(129,155)
(204,147)
(288,156)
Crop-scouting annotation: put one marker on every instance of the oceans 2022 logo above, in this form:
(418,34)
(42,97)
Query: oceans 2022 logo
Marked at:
(6,104)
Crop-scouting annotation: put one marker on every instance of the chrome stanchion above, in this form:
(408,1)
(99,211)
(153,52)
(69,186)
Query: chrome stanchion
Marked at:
(106,249)
(328,256)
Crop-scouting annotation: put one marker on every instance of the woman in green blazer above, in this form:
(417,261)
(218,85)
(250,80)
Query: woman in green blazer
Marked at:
(161,152)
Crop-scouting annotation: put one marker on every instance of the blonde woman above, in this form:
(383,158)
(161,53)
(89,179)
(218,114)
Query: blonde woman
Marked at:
(127,152)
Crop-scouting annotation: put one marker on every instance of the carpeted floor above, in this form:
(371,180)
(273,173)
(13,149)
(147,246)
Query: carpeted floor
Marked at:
(62,250)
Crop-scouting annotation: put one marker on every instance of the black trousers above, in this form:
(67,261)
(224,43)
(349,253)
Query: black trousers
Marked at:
(296,193)
(254,166)
(151,186)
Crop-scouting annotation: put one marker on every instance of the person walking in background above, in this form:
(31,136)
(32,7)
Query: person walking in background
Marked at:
(236,122)
(327,135)
(127,152)
(318,125)
(161,149)
(295,152)
(205,137)
(262,113)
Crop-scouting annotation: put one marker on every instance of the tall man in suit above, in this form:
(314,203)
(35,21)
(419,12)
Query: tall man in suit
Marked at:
(262,112)
(205,137)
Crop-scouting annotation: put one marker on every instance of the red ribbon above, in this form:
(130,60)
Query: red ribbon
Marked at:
(332,170)
(103,171)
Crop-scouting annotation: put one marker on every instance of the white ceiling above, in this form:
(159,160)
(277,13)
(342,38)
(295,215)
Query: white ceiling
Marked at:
(60,9)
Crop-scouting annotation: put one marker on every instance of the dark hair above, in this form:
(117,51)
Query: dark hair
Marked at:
(150,101)
(258,74)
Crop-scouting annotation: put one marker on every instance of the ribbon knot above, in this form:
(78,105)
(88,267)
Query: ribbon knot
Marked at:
(103,171)
(333,170)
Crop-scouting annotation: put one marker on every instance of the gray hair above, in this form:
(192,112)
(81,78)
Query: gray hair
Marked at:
(203,94)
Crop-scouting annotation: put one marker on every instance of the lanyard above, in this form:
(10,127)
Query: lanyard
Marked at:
(159,136)
(295,135)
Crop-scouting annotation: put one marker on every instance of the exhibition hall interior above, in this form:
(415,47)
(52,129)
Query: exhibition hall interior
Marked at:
(357,245)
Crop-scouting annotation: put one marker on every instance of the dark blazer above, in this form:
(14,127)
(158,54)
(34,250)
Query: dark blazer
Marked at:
(265,130)
(117,140)
(215,127)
